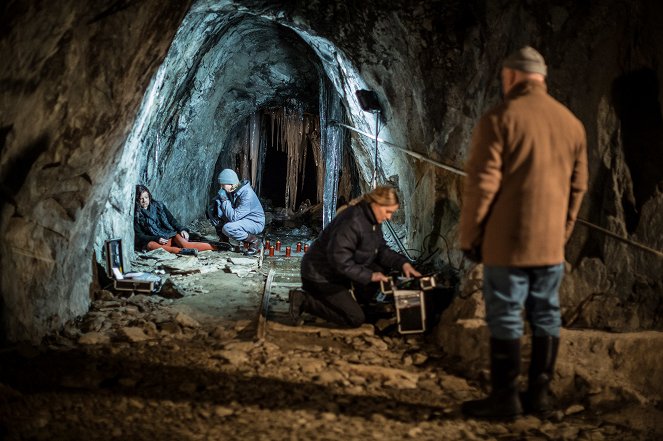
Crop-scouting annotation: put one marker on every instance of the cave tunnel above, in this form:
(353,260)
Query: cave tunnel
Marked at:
(101,96)
(282,161)
(259,99)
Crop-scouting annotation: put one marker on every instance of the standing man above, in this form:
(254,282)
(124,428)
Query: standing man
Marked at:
(526,176)
(238,212)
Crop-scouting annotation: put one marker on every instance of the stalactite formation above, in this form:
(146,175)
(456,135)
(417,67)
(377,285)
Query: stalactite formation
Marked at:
(286,129)
(291,131)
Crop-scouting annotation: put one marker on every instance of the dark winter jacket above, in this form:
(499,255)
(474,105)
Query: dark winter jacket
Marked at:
(153,223)
(348,246)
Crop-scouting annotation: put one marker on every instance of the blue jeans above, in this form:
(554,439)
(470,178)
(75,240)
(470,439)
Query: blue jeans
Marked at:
(507,290)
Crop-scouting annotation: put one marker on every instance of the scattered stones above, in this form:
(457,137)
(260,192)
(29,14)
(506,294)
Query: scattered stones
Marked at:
(329,376)
(311,365)
(525,424)
(94,338)
(134,334)
(221,333)
(170,328)
(169,290)
(573,409)
(103,295)
(186,321)
(419,358)
(234,357)
(223,411)
(241,325)
(342,383)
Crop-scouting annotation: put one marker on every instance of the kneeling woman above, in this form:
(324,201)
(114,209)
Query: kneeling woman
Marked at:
(350,251)
(155,227)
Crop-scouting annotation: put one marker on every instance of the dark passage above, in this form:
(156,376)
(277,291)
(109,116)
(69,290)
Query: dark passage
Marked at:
(274,173)
(307,185)
(639,110)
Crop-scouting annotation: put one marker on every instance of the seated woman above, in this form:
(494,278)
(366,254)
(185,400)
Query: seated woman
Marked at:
(344,261)
(155,227)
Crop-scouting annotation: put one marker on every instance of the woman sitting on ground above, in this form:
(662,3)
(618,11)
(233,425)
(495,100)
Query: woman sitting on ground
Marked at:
(155,227)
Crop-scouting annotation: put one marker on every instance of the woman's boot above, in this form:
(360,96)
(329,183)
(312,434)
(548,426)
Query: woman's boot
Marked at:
(188,252)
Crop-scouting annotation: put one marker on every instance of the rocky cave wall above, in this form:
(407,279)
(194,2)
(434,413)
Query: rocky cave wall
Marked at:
(78,91)
(73,78)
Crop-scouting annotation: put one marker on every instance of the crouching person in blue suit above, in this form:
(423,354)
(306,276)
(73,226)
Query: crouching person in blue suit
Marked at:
(237,212)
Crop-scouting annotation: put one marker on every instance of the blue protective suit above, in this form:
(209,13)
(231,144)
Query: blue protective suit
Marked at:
(241,213)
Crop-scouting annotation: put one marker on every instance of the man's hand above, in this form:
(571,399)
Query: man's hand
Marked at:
(379,277)
(163,241)
(223,196)
(184,234)
(409,271)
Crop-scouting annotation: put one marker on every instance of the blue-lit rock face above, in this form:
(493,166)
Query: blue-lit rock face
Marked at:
(146,93)
(220,69)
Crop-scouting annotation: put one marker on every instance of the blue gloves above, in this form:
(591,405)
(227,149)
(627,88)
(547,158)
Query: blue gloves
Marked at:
(223,196)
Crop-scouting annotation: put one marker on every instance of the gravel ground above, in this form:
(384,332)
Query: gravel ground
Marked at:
(150,371)
(189,367)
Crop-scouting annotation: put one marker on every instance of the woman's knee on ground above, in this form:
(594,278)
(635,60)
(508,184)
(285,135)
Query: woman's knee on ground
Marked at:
(355,317)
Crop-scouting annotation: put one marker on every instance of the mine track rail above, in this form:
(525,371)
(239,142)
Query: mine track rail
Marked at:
(275,278)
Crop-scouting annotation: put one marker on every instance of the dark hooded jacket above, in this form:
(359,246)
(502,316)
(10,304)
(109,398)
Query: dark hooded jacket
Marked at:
(154,222)
(348,247)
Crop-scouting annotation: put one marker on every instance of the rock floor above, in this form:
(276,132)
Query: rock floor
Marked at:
(146,367)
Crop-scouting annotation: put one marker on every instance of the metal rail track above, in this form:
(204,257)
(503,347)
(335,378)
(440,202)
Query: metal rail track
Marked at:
(264,305)
(277,279)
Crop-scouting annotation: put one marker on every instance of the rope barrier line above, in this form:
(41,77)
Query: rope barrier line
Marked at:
(462,173)
(620,238)
(419,156)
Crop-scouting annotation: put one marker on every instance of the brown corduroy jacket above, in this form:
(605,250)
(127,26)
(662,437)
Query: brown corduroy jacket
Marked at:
(526,176)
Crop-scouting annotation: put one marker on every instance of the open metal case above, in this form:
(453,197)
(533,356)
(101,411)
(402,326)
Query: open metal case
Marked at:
(410,303)
(144,283)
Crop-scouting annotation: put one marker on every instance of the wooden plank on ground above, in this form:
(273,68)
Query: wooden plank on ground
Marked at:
(365,329)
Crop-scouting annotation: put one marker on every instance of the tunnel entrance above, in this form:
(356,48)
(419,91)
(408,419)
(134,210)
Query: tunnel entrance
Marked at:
(639,110)
(274,174)
(309,188)
(289,173)
(277,150)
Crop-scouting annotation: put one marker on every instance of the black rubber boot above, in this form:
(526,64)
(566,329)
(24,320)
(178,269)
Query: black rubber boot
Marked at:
(537,399)
(221,246)
(504,400)
(188,252)
(254,245)
(296,300)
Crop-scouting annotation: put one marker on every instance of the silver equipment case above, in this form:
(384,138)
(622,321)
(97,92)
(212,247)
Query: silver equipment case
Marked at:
(410,303)
(144,283)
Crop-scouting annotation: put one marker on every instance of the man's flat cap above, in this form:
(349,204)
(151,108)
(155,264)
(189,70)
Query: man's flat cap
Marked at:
(527,59)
